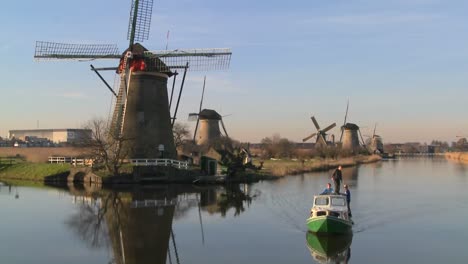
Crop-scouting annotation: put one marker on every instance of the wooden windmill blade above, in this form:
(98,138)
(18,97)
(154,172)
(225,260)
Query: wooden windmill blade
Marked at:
(315,123)
(328,128)
(344,123)
(309,137)
(64,51)
(321,139)
(199,110)
(224,128)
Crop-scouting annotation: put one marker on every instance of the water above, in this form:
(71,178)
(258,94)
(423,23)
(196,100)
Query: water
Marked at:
(406,211)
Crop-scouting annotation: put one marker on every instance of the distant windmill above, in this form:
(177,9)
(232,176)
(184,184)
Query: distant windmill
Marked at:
(376,143)
(142,109)
(350,134)
(320,134)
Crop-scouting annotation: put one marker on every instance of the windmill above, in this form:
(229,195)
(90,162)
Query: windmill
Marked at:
(142,109)
(350,134)
(207,124)
(320,134)
(376,143)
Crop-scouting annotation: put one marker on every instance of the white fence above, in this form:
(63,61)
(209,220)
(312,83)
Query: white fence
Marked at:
(161,162)
(70,160)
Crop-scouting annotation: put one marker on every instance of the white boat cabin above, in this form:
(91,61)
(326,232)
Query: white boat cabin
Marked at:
(330,205)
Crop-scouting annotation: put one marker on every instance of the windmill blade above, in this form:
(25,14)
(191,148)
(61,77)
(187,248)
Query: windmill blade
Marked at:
(362,139)
(328,127)
(198,59)
(309,137)
(375,127)
(63,51)
(315,123)
(200,109)
(193,117)
(341,136)
(321,139)
(346,114)
(224,128)
(140,20)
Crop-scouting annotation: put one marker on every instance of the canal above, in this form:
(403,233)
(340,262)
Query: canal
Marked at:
(411,210)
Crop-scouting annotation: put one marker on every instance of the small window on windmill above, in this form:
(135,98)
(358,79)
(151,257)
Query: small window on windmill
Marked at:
(141,118)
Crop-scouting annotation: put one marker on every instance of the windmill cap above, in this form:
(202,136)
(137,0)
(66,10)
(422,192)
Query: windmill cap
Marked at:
(350,126)
(209,114)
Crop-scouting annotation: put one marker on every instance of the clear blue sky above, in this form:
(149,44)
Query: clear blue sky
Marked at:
(402,63)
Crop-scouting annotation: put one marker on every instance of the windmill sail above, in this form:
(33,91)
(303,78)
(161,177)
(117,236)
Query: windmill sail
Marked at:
(59,51)
(198,59)
(140,20)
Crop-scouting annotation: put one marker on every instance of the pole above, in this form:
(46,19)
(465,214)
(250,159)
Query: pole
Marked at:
(173,86)
(180,94)
(102,79)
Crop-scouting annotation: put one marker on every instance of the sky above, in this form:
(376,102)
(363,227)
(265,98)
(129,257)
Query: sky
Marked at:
(402,64)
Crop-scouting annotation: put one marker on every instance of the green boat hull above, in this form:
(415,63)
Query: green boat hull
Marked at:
(329,225)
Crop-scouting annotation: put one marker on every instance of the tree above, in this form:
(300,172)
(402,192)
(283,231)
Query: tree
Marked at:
(107,146)
(277,147)
(181,134)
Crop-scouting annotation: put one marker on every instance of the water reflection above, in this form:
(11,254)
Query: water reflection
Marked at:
(6,188)
(350,175)
(329,249)
(136,224)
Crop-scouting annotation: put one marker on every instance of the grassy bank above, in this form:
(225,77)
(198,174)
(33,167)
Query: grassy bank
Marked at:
(31,171)
(291,167)
(459,156)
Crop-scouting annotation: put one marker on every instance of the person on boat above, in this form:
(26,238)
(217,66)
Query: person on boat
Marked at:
(347,193)
(328,190)
(337,178)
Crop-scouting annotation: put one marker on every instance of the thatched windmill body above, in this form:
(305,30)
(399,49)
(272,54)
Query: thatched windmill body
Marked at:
(350,135)
(321,136)
(142,113)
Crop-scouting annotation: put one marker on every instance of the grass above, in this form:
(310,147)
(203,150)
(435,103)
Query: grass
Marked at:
(291,167)
(31,171)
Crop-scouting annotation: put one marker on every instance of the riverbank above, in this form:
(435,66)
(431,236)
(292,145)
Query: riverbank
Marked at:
(459,156)
(32,171)
(281,168)
(272,170)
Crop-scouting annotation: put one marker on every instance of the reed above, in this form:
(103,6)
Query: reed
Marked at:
(292,167)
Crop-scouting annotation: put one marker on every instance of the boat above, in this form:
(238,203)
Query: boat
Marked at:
(329,215)
(329,249)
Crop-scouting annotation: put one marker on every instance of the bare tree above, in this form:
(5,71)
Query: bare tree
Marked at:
(106,146)
(181,133)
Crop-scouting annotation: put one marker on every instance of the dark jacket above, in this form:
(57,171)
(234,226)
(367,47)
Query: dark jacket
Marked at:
(348,196)
(337,175)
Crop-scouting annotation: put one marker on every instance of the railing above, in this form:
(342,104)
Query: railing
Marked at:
(70,160)
(153,203)
(160,162)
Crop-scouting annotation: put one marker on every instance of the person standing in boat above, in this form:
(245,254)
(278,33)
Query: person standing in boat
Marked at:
(337,178)
(328,190)
(347,193)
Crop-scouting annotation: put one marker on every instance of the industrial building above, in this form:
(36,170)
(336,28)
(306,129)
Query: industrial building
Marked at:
(66,135)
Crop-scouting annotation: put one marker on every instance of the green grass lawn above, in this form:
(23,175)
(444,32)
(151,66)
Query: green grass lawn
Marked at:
(31,171)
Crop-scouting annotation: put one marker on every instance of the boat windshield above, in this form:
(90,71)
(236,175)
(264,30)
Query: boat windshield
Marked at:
(338,201)
(322,201)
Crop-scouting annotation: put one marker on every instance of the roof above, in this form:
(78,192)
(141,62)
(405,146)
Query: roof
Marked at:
(209,114)
(350,126)
(48,130)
